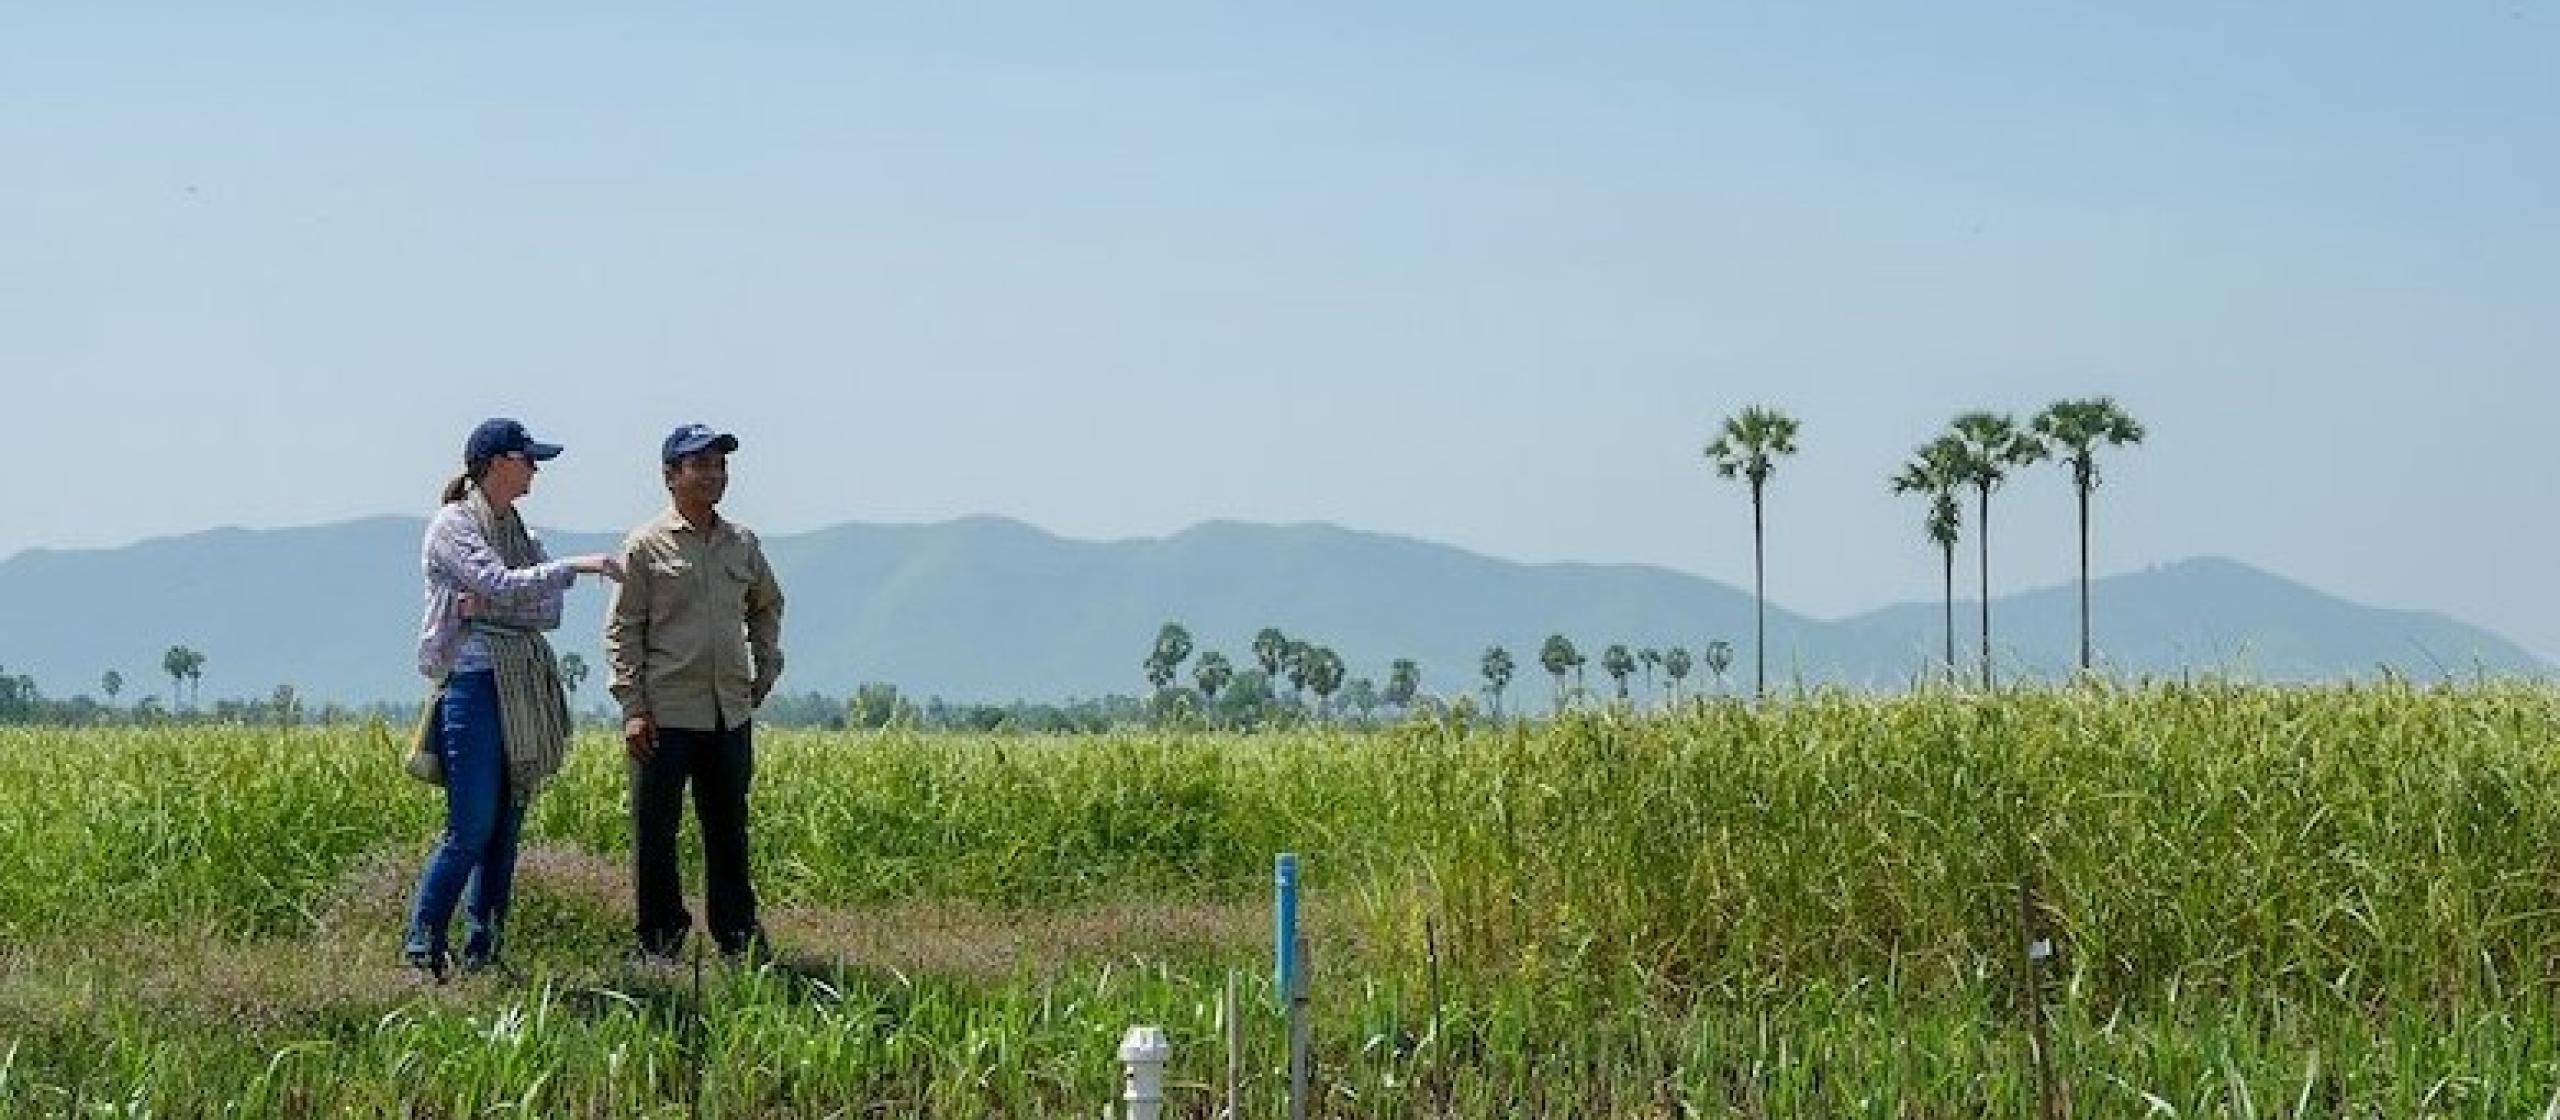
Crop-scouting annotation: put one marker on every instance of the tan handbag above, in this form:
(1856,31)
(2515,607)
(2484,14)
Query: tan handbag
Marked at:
(426,763)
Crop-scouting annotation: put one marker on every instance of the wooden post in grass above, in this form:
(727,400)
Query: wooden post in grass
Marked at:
(694,1026)
(1229,1011)
(1299,1044)
(1439,1073)
(2036,949)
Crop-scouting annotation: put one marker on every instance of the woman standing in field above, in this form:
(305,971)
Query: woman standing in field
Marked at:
(499,718)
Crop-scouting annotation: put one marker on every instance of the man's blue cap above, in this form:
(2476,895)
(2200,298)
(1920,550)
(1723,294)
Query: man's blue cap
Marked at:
(499,436)
(694,439)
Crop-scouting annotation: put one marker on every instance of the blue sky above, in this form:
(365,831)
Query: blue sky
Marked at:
(1475,273)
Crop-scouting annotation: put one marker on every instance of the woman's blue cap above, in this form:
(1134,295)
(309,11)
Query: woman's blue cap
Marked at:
(499,436)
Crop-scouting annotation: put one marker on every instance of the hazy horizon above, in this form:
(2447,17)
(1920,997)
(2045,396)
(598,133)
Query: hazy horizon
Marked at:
(1966,593)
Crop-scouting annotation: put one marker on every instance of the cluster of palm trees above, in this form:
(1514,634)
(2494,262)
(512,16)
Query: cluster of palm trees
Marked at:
(1306,666)
(185,667)
(1977,452)
(1558,656)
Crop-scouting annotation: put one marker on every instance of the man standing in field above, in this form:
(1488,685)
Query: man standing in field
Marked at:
(693,640)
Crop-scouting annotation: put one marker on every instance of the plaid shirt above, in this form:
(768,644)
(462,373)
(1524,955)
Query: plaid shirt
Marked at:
(457,558)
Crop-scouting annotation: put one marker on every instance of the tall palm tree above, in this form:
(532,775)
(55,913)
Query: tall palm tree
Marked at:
(1749,448)
(1164,662)
(573,672)
(1212,672)
(1933,472)
(1989,445)
(1557,656)
(184,666)
(1719,658)
(174,663)
(1675,665)
(2074,429)
(1619,663)
(1270,648)
(1324,675)
(1298,662)
(1404,679)
(1496,668)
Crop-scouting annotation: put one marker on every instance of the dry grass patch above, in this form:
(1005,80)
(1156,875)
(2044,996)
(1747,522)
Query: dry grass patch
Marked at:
(975,942)
(347,967)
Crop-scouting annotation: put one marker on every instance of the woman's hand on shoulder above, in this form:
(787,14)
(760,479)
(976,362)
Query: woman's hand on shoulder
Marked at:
(603,564)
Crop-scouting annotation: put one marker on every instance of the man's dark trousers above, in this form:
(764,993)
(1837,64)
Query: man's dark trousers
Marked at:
(719,764)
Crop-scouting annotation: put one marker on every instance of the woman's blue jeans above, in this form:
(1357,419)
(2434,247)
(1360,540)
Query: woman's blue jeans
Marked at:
(475,860)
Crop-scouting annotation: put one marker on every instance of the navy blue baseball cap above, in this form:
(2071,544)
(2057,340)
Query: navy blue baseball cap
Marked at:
(499,436)
(694,439)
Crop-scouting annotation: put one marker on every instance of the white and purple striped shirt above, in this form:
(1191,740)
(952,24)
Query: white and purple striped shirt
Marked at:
(457,557)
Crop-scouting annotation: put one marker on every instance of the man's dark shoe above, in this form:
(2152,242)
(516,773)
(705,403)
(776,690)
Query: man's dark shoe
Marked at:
(433,964)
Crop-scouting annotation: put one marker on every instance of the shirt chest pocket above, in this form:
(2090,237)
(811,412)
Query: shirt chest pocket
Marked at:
(718,584)
(730,577)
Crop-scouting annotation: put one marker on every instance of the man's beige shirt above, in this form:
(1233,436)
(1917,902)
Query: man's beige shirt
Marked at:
(694,636)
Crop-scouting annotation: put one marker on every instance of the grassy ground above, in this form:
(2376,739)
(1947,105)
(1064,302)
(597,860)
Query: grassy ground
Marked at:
(2265,903)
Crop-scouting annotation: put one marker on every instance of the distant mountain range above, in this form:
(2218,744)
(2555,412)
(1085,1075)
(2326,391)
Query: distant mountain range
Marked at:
(992,609)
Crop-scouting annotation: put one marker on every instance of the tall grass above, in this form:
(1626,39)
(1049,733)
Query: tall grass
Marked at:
(2266,902)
